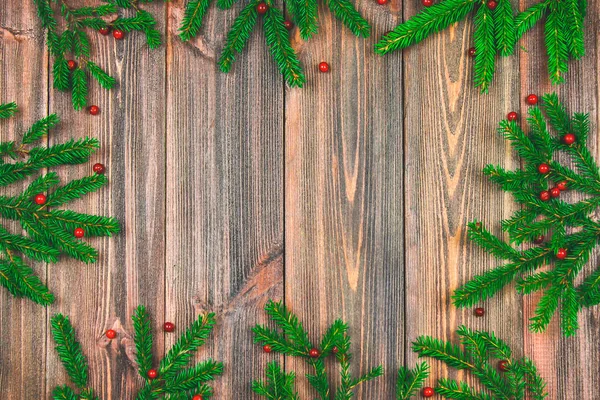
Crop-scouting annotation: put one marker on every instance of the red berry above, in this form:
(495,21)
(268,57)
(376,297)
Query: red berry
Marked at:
(382,2)
(562,185)
(40,199)
(427,3)
(503,366)
(104,31)
(99,168)
(314,353)
(324,67)
(152,373)
(479,312)
(428,392)
(197,397)
(569,139)
(512,116)
(118,34)
(262,8)
(532,99)
(543,168)
(94,110)
(561,254)
(492,4)
(478,225)
(538,239)
(79,232)
(335,350)
(169,326)
(545,195)
(111,334)
(288,24)
(555,192)
(71,64)
(267,348)
(472,51)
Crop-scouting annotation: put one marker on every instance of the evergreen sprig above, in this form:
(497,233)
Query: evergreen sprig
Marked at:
(174,380)
(302,12)
(73,41)
(486,357)
(48,231)
(72,358)
(565,233)
(292,339)
(497,31)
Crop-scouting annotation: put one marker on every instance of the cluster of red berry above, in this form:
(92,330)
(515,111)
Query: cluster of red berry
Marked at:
(41,199)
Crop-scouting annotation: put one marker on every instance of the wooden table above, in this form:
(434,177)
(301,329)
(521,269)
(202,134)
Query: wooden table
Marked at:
(348,198)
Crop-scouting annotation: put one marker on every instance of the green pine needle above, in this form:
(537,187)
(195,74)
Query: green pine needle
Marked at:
(292,339)
(7,110)
(69,350)
(480,354)
(70,39)
(192,18)
(46,233)
(560,224)
(279,43)
(497,31)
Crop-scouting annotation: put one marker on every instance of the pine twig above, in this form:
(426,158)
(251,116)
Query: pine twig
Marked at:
(565,234)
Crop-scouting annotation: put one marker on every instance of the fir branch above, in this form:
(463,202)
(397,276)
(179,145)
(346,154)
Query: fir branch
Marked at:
(485,47)
(278,386)
(47,233)
(344,11)
(238,35)
(518,379)
(143,340)
(279,43)
(410,380)
(497,31)
(293,341)
(71,39)
(69,350)
(431,19)
(192,18)
(7,110)
(569,226)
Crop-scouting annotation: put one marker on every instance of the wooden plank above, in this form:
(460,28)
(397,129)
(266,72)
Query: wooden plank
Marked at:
(451,136)
(344,212)
(23,80)
(225,193)
(569,365)
(130,270)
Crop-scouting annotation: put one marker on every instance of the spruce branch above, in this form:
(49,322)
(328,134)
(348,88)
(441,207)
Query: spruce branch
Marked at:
(173,380)
(497,30)
(292,339)
(180,384)
(565,233)
(485,357)
(302,12)
(71,40)
(48,231)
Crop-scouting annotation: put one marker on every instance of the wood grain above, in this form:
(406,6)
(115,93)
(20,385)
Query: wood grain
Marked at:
(343,198)
(450,136)
(224,185)
(23,325)
(347,199)
(130,269)
(569,365)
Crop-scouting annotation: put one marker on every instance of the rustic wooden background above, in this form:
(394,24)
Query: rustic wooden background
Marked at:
(347,198)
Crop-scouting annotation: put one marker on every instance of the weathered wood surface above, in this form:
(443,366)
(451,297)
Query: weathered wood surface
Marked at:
(348,198)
